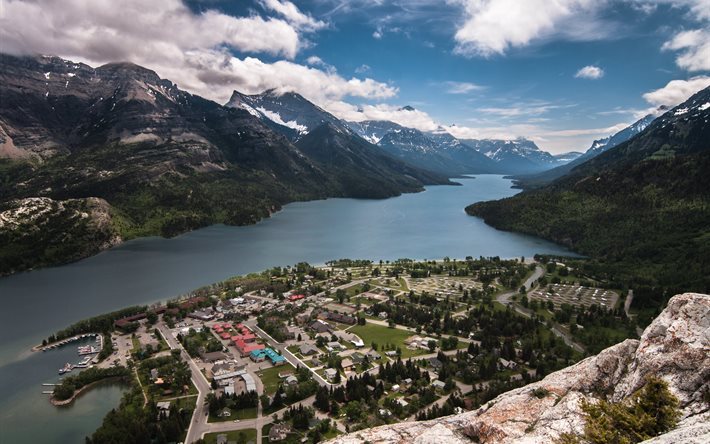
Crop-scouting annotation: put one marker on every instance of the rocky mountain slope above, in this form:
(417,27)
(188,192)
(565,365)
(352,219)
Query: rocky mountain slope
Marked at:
(164,161)
(675,348)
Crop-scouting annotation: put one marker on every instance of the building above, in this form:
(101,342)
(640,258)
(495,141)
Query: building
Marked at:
(267,353)
(347,364)
(245,348)
(504,363)
(435,363)
(333,346)
(291,380)
(213,356)
(438,384)
(163,408)
(308,349)
(341,318)
(330,373)
(279,432)
(373,355)
(320,327)
(206,314)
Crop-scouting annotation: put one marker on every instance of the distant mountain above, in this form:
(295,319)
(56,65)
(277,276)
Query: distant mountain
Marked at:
(598,147)
(362,168)
(514,156)
(642,207)
(567,157)
(292,114)
(115,152)
(374,130)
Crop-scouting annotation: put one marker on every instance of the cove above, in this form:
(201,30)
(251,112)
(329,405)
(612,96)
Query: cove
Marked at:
(427,225)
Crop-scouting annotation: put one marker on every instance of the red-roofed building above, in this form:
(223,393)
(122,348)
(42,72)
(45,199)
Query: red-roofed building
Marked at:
(295,297)
(245,348)
(225,335)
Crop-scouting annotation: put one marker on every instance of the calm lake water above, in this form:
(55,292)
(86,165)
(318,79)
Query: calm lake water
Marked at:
(425,225)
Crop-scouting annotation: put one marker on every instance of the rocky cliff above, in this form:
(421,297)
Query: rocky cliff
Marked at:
(675,347)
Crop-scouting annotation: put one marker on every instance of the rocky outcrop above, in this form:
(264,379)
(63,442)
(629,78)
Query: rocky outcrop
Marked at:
(675,347)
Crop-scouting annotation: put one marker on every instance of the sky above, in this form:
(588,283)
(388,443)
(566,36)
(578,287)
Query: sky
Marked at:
(560,72)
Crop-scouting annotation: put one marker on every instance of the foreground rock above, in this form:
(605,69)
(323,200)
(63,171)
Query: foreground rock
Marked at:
(675,347)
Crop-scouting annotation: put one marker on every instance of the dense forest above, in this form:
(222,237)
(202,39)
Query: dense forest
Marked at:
(641,210)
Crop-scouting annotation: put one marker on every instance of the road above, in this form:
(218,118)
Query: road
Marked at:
(505,299)
(199,416)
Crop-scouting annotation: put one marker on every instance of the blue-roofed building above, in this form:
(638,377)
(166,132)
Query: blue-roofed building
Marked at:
(260,355)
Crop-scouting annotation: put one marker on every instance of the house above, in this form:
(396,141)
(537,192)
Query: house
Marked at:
(408,381)
(435,364)
(163,408)
(395,388)
(504,363)
(279,432)
(308,349)
(357,357)
(330,373)
(438,384)
(291,380)
(356,341)
(229,389)
(401,402)
(320,326)
(391,353)
(335,345)
(225,413)
(373,355)
(153,374)
(382,315)
(347,364)
(222,438)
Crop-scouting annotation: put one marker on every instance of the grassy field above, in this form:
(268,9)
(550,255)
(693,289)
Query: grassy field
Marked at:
(384,335)
(270,377)
(239,436)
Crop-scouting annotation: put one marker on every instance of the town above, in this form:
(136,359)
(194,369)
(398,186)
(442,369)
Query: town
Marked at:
(304,353)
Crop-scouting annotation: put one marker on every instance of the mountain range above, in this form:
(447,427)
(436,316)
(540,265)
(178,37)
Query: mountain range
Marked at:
(294,116)
(642,208)
(155,160)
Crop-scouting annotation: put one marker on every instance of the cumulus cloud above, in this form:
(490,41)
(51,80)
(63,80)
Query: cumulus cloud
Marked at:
(191,49)
(494,26)
(462,87)
(590,72)
(676,91)
(362,69)
(293,15)
(695,49)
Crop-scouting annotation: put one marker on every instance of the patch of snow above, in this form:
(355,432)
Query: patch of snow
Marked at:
(276,118)
(704,106)
(71,74)
(46,75)
(681,111)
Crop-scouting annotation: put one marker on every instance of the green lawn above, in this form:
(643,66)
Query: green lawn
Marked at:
(270,377)
(384,335)
(239,436)
(249,413)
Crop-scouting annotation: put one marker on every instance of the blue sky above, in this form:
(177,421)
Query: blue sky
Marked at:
(562,73)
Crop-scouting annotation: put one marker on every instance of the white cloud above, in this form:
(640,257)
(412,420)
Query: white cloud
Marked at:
(315,61)
(293,15)
(676,91)
(494,26)
(461,87)
(535,108)
(695,49)
(191,49)
(590,72)
(110,30)
(362,69)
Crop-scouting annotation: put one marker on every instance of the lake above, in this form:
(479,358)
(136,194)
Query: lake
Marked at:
(427,225)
